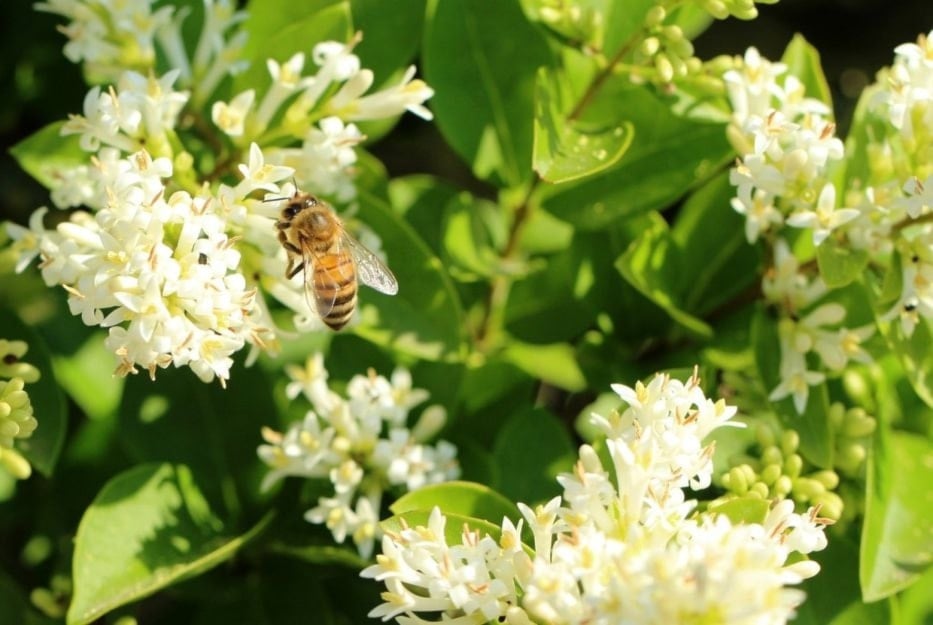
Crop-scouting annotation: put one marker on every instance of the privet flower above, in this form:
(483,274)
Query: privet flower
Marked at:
(624,544)
(362,444)
(181,265)
(16,416)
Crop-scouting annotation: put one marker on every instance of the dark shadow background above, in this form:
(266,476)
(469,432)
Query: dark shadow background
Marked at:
(854,37)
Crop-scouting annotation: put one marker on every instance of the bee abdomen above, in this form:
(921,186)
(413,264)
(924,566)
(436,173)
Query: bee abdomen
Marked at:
(335,289)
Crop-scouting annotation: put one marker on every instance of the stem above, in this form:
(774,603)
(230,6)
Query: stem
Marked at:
(499,288)
(601,78)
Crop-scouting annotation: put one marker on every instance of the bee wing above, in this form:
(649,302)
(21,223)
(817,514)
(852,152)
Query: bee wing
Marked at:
(318,300)
(370,270)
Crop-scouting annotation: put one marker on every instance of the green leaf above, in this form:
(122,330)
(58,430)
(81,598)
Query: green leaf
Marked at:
(840,264)
(391,33)
(915,353)
(564,289)
(669,156)
(624,21)
(567,149)
(421,199)
(554,363)
(917,601)
(897,540)
(465,498)
(87,377)
(529,471)
(803,61)
(148,528)
(473,229)
(481,58)
(48,405)
(424,320)
(707,228)
(212,430)
(743,509)
(279,28)
(46,153)
(652,264)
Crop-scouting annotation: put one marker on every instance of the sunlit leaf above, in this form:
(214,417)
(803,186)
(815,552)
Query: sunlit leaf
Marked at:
(481,59)
(554,363)
(566,149)
(46,153)
(465,498)
(424,319)
(897,541)
(148,528)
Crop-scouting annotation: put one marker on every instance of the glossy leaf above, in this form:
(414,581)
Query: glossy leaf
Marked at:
(391,33)
(46,153)
(717,257)
(898,536)
(148,528)
(668,157)
(424,319)
(465,498)
(481,59)
(42,449)
(554,363)
(87,376)
(652,264)
(567,149)
(529,471)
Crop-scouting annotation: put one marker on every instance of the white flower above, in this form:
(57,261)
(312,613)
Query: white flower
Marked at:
(919,198)
(257,174)
(360,444)
(596,562)
(408,95)
(160,272)
(231,117)
(825,217)
(796,379)
(752,87)
(759,211)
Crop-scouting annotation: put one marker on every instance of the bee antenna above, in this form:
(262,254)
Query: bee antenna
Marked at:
(274,199)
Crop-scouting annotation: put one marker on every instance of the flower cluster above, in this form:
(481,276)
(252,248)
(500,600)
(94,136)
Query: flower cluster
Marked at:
(177,254)
(362,444)
(16,416)
(784,178)
(623,544)
(110,38)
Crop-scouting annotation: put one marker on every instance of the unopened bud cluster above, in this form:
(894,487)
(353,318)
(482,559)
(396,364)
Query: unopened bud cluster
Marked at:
(778,471)
(741,9)
(666,48)
(16,417)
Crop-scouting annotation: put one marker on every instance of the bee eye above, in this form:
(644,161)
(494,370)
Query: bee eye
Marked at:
(291,210)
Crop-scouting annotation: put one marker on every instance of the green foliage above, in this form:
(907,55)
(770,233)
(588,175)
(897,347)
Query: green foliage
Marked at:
(575,230)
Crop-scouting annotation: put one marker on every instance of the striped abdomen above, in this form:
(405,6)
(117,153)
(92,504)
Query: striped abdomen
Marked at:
(335,288)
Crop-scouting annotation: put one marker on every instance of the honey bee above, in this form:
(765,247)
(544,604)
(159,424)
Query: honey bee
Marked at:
(333,262)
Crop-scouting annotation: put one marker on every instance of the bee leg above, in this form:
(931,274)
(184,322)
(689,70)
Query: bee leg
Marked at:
(293,268)
(282,225)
